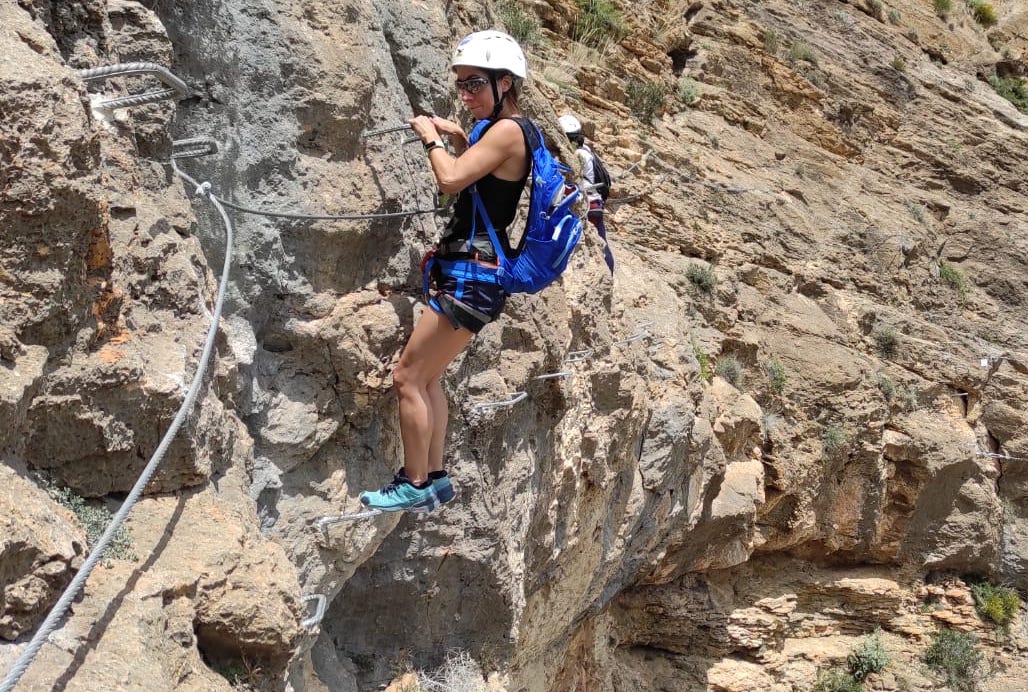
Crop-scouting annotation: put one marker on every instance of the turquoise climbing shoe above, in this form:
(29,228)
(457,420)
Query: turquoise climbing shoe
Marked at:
(443,489)
(400,496)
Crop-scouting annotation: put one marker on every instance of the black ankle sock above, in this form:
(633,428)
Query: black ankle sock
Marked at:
(434,475)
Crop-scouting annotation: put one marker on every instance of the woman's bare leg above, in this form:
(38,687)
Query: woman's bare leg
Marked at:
(441,415)
(432,346)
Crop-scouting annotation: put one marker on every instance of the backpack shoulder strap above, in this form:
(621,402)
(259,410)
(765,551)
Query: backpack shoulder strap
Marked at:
(479,129)
(532,142)
(531,132)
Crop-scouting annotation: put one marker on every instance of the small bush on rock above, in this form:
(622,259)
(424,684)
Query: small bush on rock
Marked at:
(869,657)
(997,603)
(955,655)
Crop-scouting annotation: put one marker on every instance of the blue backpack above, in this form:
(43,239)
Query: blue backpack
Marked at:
(552,230)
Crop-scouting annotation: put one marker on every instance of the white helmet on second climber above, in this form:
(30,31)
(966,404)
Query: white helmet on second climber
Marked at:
(570,124)
(491,50)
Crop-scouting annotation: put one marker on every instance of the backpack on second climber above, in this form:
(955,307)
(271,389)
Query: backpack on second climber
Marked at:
(601,178)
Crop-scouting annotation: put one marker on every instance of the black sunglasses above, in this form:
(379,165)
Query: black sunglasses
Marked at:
(471,85)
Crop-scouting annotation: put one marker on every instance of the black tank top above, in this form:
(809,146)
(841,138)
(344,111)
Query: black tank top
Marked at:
(500,198)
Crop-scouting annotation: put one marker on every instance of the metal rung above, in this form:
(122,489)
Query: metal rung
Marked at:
(319,610)
(177,89)
(578,356)
(191,153)
(518,396)
(552,375)
(994,455)
(385,130)
(136,99)
(327,521)
(633,338)
(193,146)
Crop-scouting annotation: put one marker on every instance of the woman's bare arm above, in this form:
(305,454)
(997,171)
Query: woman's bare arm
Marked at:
(501,151)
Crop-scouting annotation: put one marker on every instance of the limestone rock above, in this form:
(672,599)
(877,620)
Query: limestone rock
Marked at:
(42,545)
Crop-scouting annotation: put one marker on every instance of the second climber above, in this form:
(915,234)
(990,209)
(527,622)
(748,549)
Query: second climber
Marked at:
(597,181)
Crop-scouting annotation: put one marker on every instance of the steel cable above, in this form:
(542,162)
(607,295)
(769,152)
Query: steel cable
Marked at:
(32,649)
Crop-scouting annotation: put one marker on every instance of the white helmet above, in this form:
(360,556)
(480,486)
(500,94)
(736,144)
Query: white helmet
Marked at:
(570,124)
(491,50)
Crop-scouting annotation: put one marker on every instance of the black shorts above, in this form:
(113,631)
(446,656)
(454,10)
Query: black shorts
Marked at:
(466,303)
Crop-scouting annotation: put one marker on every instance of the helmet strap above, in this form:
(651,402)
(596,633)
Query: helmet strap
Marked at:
(497,96)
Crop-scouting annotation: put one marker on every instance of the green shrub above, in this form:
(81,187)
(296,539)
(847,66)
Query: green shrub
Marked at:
(886,339)
(645,98)
(232,671)
(801,51)
(836,680)
(909,398)
(877,9)
(703,278)
(943,7)
(983,12)
(242,674)
(730,369)
(521,24)
(776,376)
(887,387)
(917,211)
(997,603)
(894,17)
(1013,89)
(688,91)
(899,63)
(704,360)
(953,277)
(955,655)
(833,440)
(772,42)
(598,22)
(869,657)
(94,519)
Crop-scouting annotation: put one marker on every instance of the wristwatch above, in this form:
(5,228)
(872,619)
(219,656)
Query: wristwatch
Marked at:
(434,144)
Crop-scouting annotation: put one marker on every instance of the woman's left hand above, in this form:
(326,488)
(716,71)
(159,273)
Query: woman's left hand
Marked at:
(424,127)
(448,128)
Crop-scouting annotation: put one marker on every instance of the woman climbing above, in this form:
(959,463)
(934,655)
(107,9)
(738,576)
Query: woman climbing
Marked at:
(494,160)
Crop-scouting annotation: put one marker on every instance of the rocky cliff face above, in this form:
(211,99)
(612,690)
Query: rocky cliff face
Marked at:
(796,413)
